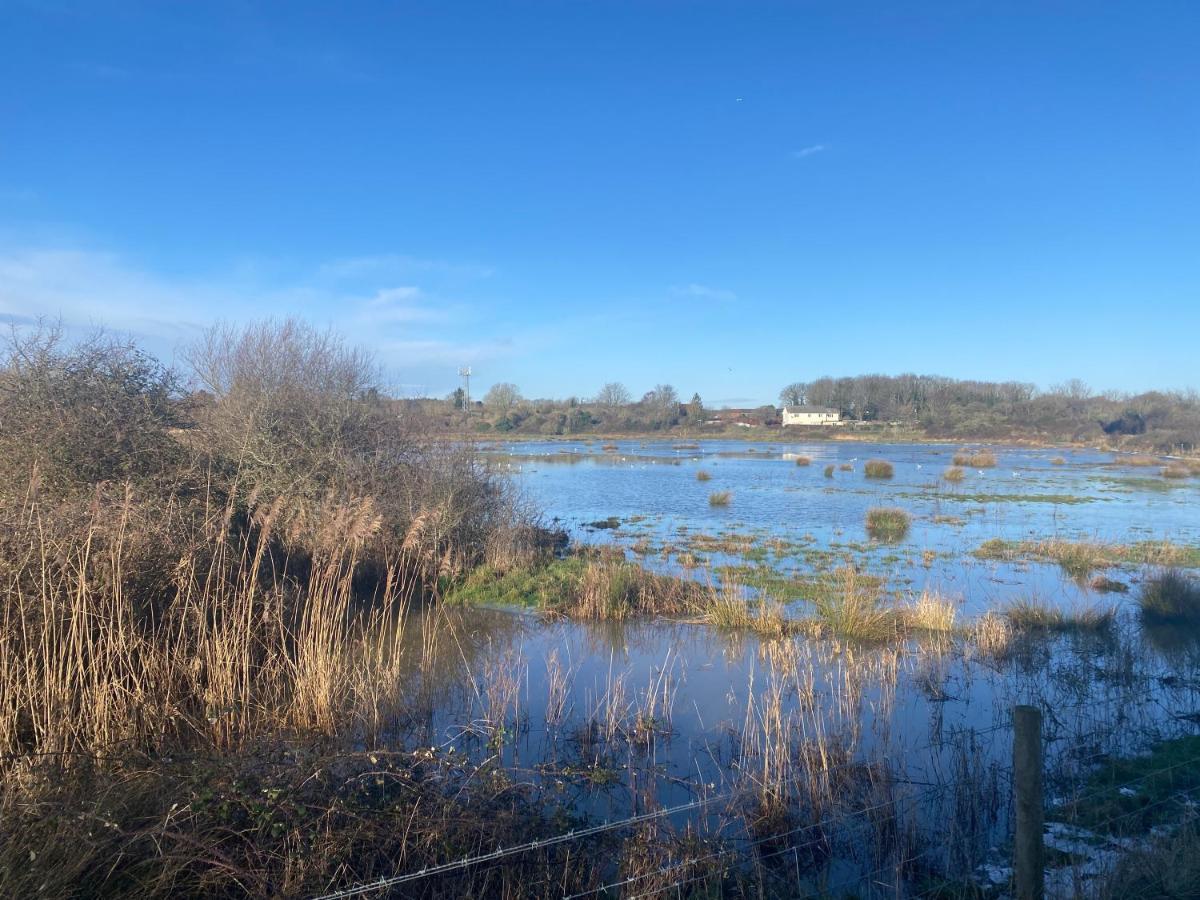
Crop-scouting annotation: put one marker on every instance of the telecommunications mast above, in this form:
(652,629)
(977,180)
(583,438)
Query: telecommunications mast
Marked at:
(465,372)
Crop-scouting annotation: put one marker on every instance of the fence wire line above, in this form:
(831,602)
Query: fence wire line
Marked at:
(577,834)
(794,849)
(744,848)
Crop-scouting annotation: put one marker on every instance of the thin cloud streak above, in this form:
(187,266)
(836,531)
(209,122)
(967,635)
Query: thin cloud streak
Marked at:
(809,151)
(702,292)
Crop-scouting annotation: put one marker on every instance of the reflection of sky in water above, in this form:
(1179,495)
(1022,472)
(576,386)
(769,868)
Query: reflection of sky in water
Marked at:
(917,707)
(774,497)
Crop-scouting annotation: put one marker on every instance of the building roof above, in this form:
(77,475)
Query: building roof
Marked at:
(811,409)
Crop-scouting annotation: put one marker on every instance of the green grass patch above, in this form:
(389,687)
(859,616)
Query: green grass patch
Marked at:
(888,523)
(1080,558)
(541,586)
(1131,796)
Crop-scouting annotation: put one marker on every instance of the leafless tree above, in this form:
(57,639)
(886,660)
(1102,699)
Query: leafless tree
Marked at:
(795,394)
(612,395)
(503,396)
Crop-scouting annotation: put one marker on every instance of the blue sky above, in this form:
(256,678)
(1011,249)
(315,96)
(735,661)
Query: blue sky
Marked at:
(723,196)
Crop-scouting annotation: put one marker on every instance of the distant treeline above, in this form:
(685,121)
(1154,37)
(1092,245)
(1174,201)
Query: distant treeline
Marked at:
(933,405)
(1069,411)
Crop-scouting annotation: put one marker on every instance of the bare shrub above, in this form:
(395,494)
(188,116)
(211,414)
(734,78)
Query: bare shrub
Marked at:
(98,410)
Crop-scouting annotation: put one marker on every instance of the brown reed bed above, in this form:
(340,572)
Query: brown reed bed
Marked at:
(976,459)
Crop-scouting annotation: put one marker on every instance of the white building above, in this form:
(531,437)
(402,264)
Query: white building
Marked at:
(810,415)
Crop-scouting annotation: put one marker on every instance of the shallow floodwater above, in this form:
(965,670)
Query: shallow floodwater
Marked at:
(888,760)
(798,520)
(615,720)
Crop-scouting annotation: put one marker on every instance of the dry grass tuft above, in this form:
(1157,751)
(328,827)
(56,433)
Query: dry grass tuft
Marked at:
(829,471)
(703,475)
(1139,460)
(931,612)
(720,498)
(954,474)
(1176,470)
(992,635)
(803,461)
(976,459)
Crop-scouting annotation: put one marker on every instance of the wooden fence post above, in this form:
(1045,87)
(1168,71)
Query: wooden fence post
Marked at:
(1028,840)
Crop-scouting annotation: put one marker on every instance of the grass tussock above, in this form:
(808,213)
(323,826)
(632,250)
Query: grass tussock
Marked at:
(1058,461)
(991,634)
(954,474)
(976,459)
(846,467)
(1035,615)
(931,612)
(803,461)
(720,498)
(829,471)
(729,609)
(1170,597)
(854,609)
(878,468)
(1176,470)
(888,523)
(703,475)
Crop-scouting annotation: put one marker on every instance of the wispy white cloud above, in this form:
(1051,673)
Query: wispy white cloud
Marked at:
(416,332)
(809,151)
(702,292)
